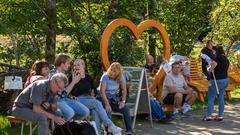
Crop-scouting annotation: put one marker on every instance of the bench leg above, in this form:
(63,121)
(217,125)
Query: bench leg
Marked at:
(201,96)
(228,94)
(30,128)
(22,127)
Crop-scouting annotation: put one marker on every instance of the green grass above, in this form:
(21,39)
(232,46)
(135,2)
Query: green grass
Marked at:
(7,129)
(236,93)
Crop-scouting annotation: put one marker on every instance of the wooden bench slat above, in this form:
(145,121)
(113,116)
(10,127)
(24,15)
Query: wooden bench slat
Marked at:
(200,84)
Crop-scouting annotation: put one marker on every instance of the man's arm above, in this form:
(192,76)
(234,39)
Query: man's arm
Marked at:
(173,89)
(38,109)
(54,106)
(168,82)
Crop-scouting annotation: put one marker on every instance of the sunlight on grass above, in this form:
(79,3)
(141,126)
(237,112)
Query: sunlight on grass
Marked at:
(199,105)
(4,122)
(236,93)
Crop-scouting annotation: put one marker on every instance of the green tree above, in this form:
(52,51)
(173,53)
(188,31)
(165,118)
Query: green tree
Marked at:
(36,22)
(225,20)
(185,21)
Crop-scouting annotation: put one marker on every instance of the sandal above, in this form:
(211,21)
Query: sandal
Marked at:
(218,118)
(206,118)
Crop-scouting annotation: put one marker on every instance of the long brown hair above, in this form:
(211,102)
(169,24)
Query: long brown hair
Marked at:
(37,67)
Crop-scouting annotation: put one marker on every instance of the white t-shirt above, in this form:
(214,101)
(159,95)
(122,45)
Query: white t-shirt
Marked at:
(170,80)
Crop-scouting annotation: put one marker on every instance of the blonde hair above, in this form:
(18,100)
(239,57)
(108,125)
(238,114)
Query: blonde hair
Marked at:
(118,67)
(82,62)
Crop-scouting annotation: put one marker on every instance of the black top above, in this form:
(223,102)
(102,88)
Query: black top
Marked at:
(210,54)
(151,68)
(221,70)
(83,87)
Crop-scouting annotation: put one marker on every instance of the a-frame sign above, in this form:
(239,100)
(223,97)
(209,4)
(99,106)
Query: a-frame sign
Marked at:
(138,100)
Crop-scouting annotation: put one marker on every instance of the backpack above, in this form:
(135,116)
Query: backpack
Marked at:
(75,128)
(157,111)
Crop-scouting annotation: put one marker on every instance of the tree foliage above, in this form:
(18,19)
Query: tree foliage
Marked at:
(83,22)
(225,20)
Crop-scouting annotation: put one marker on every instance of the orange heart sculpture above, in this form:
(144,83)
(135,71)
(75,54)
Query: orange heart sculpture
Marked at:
(136,31)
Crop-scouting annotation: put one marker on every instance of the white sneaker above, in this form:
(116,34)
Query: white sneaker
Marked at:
(186,109)
(115,130)
(175,111)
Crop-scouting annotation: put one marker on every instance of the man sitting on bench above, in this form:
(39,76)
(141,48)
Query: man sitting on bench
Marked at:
(176,91)
(37,100)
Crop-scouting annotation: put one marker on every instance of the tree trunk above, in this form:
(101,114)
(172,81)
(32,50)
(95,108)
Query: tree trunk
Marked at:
(13,40)
(152,46)
(112,9)
(229,47)
(51,31)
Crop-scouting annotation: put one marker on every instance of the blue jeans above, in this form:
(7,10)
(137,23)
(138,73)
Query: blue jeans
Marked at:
(124,111)
(72,109)
(97,110)
(212,93)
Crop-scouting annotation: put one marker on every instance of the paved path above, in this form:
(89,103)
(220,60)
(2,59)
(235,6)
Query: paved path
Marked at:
(194,125)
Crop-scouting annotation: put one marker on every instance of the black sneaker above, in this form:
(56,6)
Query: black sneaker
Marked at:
(129,133)
(166,120)
(186,115)
(177,116)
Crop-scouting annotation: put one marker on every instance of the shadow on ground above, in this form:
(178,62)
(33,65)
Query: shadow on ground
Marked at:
(194,124)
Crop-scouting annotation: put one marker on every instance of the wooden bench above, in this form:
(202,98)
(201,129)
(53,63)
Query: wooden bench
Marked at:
(167,108)
(156,88)
(16,120)
(233,75)
(200,84)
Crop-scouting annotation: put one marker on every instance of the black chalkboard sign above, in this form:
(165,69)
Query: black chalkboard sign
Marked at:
(138,99)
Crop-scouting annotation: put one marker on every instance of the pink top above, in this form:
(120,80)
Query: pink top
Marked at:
(32,79)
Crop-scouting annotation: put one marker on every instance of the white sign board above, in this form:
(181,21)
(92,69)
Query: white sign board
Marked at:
(138,100)
(13,83)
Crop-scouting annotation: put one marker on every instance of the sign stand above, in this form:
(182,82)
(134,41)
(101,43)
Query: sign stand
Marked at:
(138,93)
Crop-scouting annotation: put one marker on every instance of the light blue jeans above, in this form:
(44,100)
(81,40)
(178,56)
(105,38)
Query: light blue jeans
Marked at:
(72,109)
(212,93)
(114,103)
(97,110)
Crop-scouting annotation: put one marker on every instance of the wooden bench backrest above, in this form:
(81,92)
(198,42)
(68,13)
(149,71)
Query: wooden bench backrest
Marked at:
(195,70)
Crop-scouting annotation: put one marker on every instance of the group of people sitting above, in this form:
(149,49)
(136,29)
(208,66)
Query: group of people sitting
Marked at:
(62,96)
(176,92)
